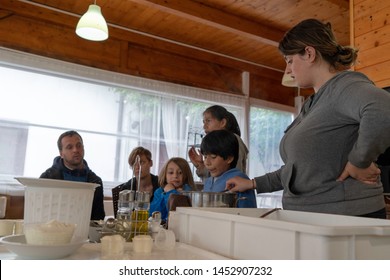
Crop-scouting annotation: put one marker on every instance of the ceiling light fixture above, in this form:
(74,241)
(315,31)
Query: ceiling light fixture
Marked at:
(289,81)
(92,25)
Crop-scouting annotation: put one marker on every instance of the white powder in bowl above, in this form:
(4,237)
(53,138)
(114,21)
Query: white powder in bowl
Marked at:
(50,233)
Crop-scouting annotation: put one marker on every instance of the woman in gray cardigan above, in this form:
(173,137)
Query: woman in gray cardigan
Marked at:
(330,148)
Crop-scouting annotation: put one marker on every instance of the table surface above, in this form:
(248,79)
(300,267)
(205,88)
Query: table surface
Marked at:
(92,251)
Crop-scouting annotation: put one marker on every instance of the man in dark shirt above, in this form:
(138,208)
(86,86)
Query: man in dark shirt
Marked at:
(71,166)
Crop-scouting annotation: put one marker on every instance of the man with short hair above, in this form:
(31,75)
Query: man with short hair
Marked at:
(71,166)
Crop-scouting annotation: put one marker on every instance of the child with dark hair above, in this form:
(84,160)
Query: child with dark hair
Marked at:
(220,151)
(216,117)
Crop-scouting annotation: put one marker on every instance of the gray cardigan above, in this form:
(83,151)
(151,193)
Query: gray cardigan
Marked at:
(348,119)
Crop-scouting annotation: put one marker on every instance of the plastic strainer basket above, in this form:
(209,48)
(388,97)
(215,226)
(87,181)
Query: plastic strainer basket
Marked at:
(64,201)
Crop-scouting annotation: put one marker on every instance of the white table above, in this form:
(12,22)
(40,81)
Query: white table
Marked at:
(92,251)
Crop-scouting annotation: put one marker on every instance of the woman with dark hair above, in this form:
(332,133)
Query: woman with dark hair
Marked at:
(232,124)
(217,117)
(330,149)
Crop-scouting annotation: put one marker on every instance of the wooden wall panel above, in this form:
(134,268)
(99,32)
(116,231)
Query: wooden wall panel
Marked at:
(372,56)
(378,73)
(57,42)
(272,90)
(61,43)
(370,15)
(372,38)
(146,62)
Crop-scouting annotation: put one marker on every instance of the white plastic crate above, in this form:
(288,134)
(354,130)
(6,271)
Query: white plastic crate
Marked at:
(240,233)
(64,201)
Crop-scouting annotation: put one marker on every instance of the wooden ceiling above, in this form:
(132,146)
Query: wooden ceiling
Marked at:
(247,30)
(244,31)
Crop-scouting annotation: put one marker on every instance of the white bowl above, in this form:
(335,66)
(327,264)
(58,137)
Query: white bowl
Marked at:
(17,244)
(50,233)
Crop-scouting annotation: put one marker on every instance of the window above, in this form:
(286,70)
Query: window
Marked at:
(266,129)
(13,142)
(40,98)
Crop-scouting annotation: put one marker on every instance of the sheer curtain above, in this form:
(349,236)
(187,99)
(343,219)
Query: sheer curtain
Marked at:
(149,130)
(171,123)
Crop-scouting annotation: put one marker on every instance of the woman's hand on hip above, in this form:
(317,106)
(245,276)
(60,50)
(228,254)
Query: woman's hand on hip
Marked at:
(369,175)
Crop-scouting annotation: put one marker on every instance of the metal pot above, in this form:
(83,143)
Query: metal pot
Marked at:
(212,199)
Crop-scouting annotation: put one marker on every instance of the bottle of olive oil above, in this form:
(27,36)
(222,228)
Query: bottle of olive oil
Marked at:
(140,214)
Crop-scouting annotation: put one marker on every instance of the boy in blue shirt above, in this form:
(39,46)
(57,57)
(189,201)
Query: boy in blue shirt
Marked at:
(220,151)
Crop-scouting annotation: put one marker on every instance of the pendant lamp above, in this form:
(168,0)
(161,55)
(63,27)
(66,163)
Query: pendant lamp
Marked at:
(92,25)
(288,81)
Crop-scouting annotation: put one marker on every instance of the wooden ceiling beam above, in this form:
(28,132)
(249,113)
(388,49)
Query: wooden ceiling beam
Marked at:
(198,12)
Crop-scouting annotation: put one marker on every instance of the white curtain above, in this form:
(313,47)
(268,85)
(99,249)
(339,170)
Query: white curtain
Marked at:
(171,127)
(149,131)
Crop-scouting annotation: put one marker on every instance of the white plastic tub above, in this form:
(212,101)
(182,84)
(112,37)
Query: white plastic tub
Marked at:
(64,201)
(239,233)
